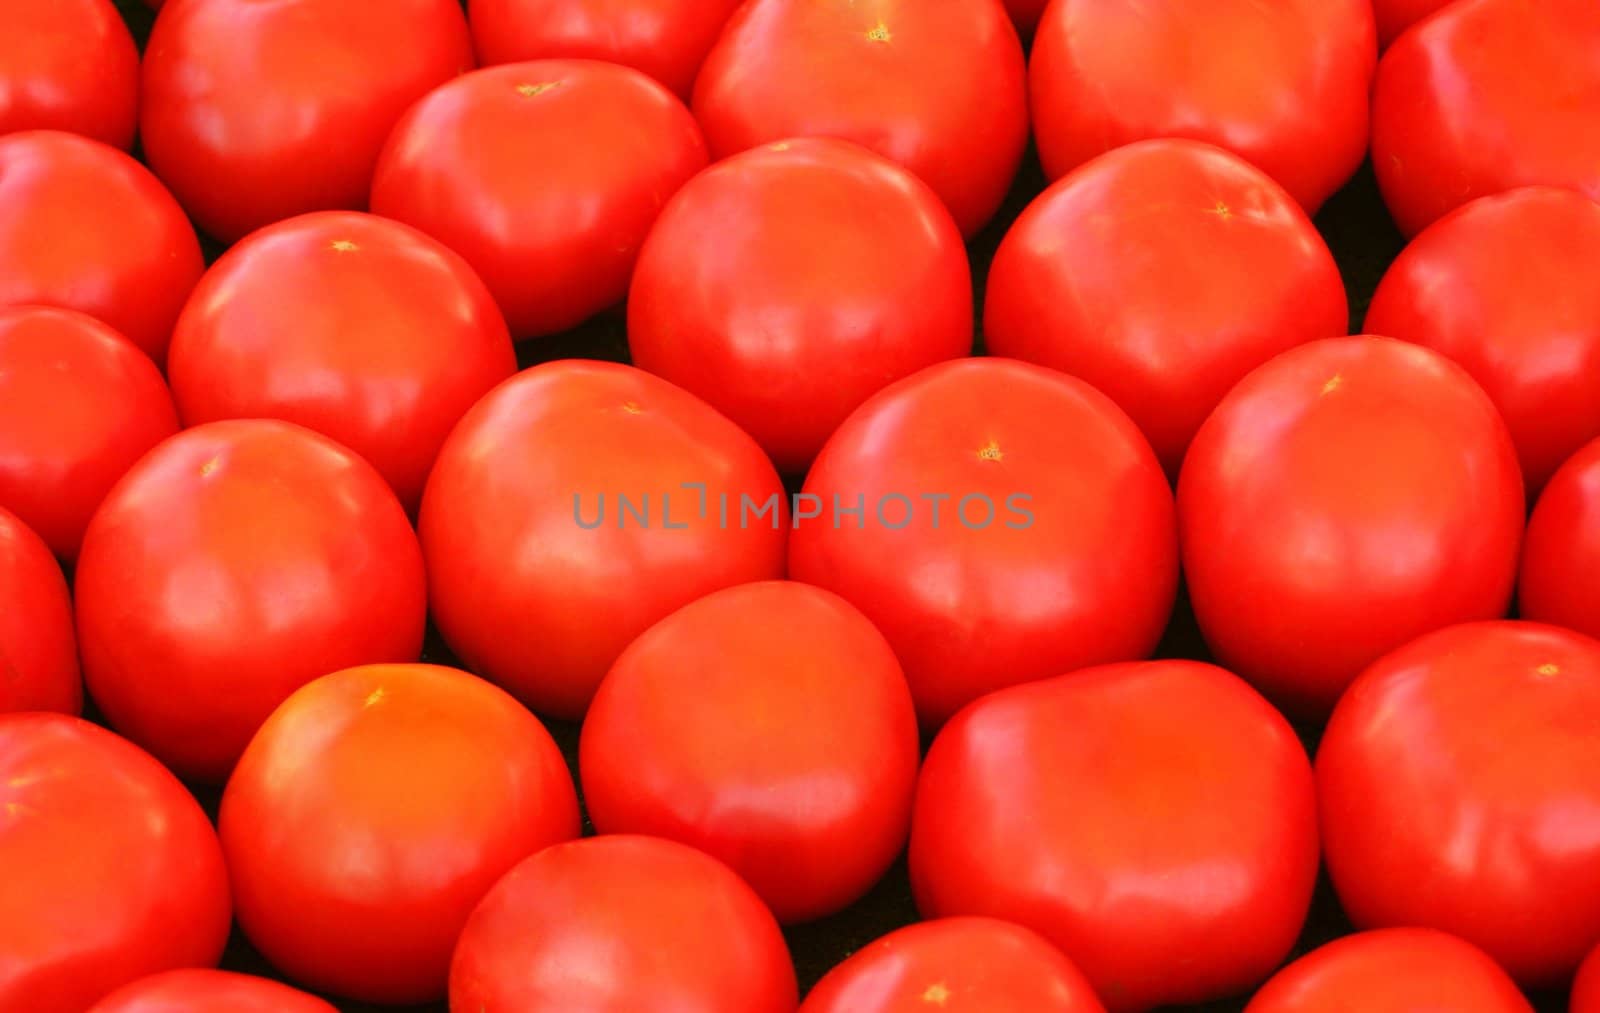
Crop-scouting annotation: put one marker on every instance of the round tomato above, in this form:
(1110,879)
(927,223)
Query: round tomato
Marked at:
(999,522)
(68,65)
(1154,820)
(693,737)
(576,505)
(1586,986)
(38,651)
(545,176)
(78,405)
(620,924)
(1162,273)
(1395,16)
(360,328)
(938,87)
(845,275)
(201,990)
(233,564)
(112,872)
(1459,783)
(1344,498)
(85,227)
(1560,580)
(255,112)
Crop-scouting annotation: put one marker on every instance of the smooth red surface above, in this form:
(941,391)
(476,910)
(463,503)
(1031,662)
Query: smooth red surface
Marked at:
(38,649)
(1560,579)
(206,991)
(68,65)
(1395,16)
(1586,986)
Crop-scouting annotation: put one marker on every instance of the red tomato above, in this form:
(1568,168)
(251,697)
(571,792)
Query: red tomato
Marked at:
(1586,986)
(68,65)
(78,405)
(955,965)
(998,522)
(1488,96)
(360,328)
(938,87)
(373,811)
(1395,16)
(1392,971)
(1346,497)
(255,112)
(207,991)
(575,506)
(844,275)
(545,176)
(618,925)
(1505,287)
(85,227)
(1155,820)
(1560,580)
(693,737)
(235,563)
(1162,273)
(38,651)
(112,871)
(1459,783)
(1283,84)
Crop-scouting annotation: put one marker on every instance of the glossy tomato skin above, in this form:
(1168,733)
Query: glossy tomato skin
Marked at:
(1561,553)
(545,176)
(79,404)
(1346,497)
(123,875)
(202,990)
(1162,273)
(963,965)
(357,327)
(1035,529)
(843,274)
(85,227)
(901,77)
(692,737)
(68,65)
(38,649)
(234,563)
(1094,809)
(1395,16)
(1476,743)
(617,924)
(429,782)
(1586,985)
(256,112)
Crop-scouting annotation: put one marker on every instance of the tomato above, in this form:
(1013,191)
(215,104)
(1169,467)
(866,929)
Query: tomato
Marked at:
(373,811)
(845,275)
(1395,16)
(85,227)
(1162,273)
(619,924)
(1283,85)
(360,328)
(1475,743)
(545,176)
(1561,554)
(255,112)
(38,650)
(1172,859)
(1586,986)
(1344,498)
(112,870)
(68,65)
(961,965)
(693,736)
(938,87)
(234,563)
(79,404)
(998,521)
(573,507)
(1484,97)
(208,991)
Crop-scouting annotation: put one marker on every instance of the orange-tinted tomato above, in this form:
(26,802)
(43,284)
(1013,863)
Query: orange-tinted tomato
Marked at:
(38,650)
(201,990)
(1560,581)
(68,65)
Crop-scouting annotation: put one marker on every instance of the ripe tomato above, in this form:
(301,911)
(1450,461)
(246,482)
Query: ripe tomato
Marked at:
(233,564)
(938,87)
(79,404)
(360,328)
(1395,16)
(1475,743)
(573,507)
(1560,580)
(255,112)
(202,990)
(38,651)
(1172,859)
(1488,96)
(1344,498)
(1586,986)
(545,176)
(957,965)
(999,522)
(619,924)
(68,65)
(112,870)
(373,811)
(846,274)
(692,736)
(1162,273)
(85,227)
